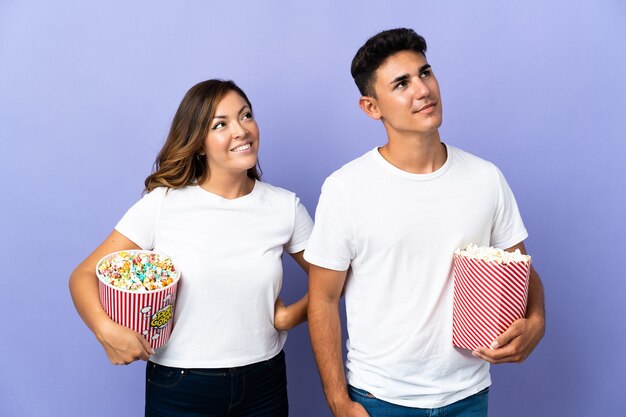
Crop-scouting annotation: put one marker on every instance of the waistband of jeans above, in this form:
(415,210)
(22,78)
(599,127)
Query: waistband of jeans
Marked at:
(280,356)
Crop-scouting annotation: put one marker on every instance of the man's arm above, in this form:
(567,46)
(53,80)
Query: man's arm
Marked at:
(521,338)
(325,288)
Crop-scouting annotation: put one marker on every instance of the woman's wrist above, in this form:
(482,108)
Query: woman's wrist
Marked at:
(102,327)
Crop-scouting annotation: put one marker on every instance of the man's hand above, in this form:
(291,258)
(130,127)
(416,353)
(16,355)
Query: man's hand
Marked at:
(521,338)
(349,408)
(123,345)
(516,343)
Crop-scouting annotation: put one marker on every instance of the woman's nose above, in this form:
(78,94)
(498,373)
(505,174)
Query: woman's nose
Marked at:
(237,130)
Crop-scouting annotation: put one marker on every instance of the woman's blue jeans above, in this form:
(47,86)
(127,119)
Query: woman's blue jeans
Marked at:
(256,390)
(473,406)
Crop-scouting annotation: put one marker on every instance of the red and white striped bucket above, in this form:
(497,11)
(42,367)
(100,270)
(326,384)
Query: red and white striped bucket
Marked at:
(149,313)
(488,297)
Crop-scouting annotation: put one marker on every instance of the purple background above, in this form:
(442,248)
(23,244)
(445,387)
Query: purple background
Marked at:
(87,92)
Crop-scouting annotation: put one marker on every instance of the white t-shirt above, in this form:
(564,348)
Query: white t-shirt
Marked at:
(229,254)
(397,232)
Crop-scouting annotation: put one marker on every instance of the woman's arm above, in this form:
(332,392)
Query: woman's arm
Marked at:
(121,344)
(288,317)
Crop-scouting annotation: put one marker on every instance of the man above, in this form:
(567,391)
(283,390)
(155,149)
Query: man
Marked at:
(387,225)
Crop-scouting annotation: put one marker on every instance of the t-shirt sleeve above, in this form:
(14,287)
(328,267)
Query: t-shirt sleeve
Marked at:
(331,244)
(139,222)
(303,225)
(508,228)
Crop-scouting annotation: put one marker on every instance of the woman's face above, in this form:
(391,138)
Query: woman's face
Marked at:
(232,143)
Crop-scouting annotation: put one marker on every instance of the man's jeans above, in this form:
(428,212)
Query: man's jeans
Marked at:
(473,406)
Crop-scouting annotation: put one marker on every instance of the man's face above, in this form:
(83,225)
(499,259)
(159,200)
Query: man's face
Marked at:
(407,94)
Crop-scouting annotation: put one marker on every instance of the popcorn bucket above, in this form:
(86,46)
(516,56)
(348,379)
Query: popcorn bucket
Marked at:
(488,297)
(149,313)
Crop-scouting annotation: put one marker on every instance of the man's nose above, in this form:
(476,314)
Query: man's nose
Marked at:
(421,89)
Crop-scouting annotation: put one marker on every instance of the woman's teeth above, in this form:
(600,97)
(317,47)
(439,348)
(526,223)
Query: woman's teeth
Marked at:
(242,148)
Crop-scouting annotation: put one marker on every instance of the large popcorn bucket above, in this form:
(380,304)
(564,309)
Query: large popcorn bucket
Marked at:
(149,313)
(488,297)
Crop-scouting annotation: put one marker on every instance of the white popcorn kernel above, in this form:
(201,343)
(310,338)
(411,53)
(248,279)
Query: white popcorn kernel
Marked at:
(489,254)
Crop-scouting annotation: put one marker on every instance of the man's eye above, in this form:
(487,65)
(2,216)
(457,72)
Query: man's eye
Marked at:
(400,85)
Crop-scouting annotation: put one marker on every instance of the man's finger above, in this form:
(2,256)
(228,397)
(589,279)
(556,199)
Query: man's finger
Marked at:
(509,334)
(502,354)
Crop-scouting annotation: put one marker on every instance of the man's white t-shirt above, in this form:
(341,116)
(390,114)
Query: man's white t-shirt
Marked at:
(397,232)
(229,254)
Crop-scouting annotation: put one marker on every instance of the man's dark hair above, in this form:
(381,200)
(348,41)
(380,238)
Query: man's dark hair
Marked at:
(376,51)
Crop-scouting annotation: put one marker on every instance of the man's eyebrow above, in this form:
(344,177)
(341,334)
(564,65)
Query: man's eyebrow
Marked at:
(405,77)
(423,68)
(400,78)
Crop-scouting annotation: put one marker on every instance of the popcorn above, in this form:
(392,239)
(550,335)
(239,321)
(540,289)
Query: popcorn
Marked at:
(490,293)
(137,290)
(137,270)
(489,254)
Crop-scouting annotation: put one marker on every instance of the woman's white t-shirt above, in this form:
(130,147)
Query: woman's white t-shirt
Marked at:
(229,254)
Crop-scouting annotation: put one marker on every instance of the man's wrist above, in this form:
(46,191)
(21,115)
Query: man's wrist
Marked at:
(338,400)
(537,320)
(536,316)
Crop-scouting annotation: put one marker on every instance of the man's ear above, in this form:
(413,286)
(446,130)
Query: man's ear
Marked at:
(369,105)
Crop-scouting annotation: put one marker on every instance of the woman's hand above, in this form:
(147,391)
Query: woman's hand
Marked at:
(122,345)
(281,315)
(288,317)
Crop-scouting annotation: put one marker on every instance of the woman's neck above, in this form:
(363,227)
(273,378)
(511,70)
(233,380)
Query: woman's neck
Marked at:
(228,186)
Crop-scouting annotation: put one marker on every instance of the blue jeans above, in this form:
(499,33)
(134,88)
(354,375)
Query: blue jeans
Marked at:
(257,390)
(473,406)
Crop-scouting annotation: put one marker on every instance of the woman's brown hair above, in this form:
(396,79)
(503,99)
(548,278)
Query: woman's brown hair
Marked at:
(179,162)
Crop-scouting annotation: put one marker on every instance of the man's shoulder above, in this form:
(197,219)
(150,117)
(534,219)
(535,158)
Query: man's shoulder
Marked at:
(468,160)
(353,169)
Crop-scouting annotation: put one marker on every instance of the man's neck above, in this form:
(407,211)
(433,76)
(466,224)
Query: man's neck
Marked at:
(417,154)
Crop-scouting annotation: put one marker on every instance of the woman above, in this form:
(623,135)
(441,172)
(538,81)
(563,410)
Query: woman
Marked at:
(225,230)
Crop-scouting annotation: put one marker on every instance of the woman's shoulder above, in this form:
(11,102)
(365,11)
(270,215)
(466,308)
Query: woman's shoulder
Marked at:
(171,191)
(267,187)
(162,194)
(276,192)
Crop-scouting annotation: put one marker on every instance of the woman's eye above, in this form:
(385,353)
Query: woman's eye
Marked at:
(247,115)
(218,125)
